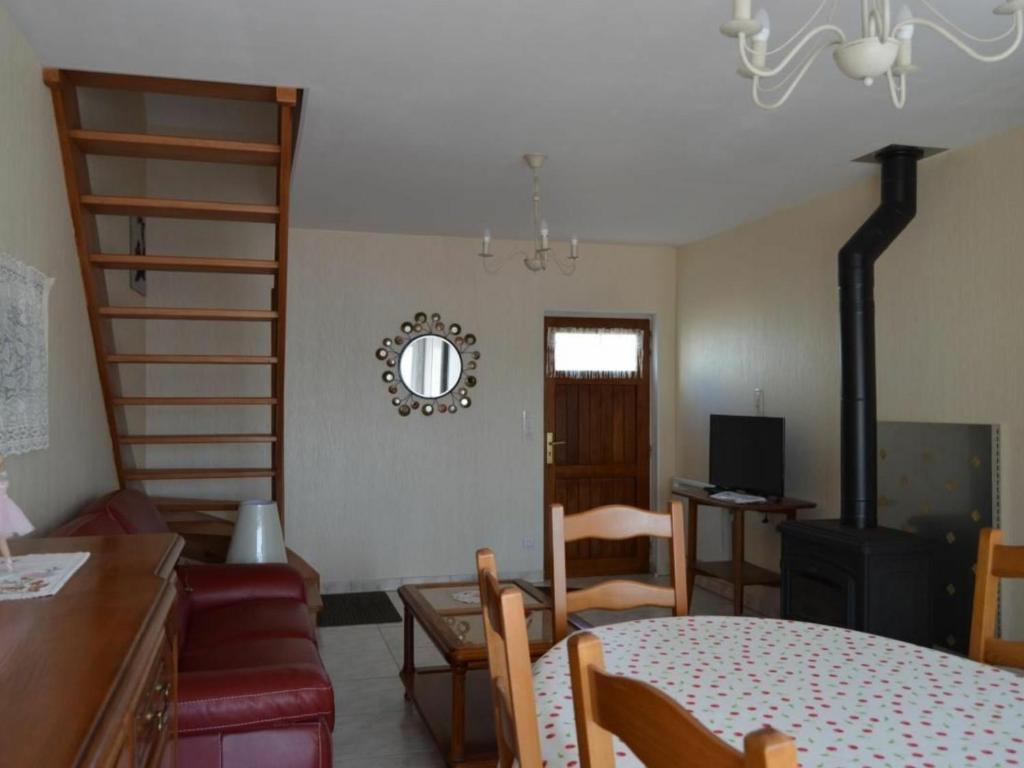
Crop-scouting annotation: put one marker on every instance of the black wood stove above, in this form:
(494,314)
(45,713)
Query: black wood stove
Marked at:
(850,572)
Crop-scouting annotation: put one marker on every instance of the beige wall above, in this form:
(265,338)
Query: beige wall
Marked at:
(758,306)
(372,495)
(35,227)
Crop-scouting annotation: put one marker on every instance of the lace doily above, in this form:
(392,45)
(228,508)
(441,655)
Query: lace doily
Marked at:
(467,596)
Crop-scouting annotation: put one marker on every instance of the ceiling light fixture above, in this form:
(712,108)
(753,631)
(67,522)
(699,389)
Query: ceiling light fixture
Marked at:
(542,254)
(883,48)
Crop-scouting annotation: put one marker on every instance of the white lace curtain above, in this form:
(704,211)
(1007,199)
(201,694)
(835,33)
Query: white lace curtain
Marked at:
(595,353)
(24,368)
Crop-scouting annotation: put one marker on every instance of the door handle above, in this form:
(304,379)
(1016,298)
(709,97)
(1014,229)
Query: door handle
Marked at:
(550,444)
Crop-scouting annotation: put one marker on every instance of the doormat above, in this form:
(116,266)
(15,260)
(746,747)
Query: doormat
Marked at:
(351,608)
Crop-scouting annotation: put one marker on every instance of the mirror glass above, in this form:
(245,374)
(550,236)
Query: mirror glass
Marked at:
(430,366)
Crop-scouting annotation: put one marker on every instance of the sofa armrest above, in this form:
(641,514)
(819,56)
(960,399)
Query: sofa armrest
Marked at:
(211,586)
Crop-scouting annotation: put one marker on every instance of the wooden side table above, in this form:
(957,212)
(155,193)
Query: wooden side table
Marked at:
(737,571)
(455,700)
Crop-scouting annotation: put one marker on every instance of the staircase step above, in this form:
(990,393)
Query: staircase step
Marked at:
(194,400)
(195,439)
(270,145)
(194,506)
(184,264)
(194,474)
(203,525)
(146,84)
(192,359)
(190,313)
(118,205)
(175,147)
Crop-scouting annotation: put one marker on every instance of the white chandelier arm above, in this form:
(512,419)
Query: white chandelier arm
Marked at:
(963,32)
(791,55)
(1018,26)
(875,17)
(897,89)
(565,270)
(493,263)
(755,90)
(802,29)
(784,80)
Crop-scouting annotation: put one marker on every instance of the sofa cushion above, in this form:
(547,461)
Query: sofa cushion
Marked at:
(263,652)
(210,586)
(261,696)
(250,620)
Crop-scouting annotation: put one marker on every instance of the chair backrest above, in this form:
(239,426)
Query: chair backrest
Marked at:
(995,561)
(615,522)
(659,732)
(508,658)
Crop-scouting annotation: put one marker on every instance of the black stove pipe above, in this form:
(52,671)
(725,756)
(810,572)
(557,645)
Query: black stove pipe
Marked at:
(859,450)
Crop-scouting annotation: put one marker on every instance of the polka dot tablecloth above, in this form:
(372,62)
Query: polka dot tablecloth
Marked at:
(848,698)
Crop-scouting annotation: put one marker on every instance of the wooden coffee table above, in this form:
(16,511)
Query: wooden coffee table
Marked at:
(455,700)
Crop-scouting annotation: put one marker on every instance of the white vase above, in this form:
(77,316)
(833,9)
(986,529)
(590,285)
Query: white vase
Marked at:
(257,537)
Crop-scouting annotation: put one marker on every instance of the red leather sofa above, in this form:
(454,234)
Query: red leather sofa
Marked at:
(252,690)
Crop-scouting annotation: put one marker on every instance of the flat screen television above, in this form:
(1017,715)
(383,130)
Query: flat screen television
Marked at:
(748,454)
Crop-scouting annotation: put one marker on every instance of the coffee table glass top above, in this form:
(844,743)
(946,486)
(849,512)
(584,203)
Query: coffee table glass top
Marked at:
(469,629)
(451,614)
(465,598)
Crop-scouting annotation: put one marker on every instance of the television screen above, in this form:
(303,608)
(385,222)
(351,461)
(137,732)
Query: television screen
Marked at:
(748,454)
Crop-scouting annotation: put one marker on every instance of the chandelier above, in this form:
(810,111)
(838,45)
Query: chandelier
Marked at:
(882,49)
(543,254)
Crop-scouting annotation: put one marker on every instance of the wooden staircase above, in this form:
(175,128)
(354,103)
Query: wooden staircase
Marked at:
(76,143)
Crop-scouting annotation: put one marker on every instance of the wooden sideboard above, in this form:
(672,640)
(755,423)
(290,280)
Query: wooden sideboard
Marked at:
(88,677)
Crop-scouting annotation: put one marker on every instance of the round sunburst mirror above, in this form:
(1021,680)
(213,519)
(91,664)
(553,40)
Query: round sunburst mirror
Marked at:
(430,367)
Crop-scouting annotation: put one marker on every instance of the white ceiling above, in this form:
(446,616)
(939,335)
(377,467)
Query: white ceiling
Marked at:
(417,111)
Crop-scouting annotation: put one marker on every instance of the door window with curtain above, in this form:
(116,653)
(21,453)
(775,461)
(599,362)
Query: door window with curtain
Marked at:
(597,430)
(596,353)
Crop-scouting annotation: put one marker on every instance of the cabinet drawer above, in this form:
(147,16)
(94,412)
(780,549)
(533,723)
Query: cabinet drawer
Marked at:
(154,713)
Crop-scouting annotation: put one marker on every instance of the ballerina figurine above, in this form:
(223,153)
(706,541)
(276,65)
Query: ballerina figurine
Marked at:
(12,520)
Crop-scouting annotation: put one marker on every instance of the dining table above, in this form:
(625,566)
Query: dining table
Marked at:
(848,698)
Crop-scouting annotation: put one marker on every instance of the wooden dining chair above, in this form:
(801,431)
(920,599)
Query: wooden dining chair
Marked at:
(660,732)
(615,522)
(995,561)
(508,658)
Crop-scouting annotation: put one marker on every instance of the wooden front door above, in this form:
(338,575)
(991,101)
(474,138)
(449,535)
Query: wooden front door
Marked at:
(598,424)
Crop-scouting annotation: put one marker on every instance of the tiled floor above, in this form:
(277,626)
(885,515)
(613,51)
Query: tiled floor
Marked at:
(376,727)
